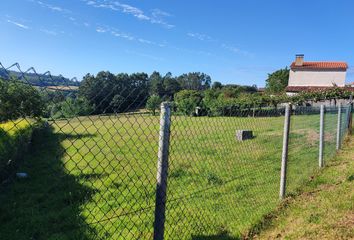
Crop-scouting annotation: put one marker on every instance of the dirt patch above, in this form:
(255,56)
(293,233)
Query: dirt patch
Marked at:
(347,221)
(312,136)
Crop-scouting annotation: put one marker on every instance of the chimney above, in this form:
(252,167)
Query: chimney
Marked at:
(299,60)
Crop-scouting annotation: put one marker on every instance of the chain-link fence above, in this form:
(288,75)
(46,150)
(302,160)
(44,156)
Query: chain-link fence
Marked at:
(103,170)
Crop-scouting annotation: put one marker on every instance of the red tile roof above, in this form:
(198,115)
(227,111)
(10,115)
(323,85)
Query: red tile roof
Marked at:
(321,65)
(313,88)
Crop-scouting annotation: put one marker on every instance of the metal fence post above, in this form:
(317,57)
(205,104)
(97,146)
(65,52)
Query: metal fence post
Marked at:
(350,119)
(350,111)
(350,124)
(284,158)
(162,171)
(339,126)
(347,114)
(321,143)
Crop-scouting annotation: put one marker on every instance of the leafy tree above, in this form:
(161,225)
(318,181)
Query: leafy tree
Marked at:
(117,103)
(194,81)
(109,93)
(153,103)
(211,100)
(98,90)
(277,81)
(71,107)
(188,100)
(216,85)
(156,84)
(18,99)
(171,86)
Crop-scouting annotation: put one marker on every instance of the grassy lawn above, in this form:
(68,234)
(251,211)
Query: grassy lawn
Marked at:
(94,177)
(325,209)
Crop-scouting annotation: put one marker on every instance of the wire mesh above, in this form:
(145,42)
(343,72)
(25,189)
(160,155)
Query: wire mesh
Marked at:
(90,169)
(219,185)
(303,145)
(330,132)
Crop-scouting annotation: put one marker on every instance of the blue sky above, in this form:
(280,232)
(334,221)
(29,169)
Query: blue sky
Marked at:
(234,41)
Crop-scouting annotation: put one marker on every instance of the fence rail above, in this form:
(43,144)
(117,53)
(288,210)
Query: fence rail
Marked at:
(108,173)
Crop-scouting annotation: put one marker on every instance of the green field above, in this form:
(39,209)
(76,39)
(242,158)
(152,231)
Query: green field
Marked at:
(94,177)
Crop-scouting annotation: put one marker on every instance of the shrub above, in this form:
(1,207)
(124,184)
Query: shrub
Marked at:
(153,103)
(15,137)
(188,100)
(70,107)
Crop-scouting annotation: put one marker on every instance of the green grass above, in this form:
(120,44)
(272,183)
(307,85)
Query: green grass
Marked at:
(90,178)
(325,209)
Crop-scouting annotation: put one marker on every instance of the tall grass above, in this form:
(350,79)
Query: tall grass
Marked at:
(14,138)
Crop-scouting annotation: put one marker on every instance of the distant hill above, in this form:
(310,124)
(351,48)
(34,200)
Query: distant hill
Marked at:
(42,81)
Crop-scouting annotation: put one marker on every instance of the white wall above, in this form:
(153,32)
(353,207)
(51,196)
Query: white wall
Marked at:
(317,78)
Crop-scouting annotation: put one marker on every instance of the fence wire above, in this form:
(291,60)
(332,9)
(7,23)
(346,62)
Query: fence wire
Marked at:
(89,172)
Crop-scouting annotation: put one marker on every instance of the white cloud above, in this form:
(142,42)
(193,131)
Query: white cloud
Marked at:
(18,24)
(91,2)
(49,32)
(201,37)
(51,7)
(115,32)
(101,30)
(155,18)
(122,35)
(158,13)
(237,50)
(163,23)
(136,12)
(142,40)
(117,6)
(145,41)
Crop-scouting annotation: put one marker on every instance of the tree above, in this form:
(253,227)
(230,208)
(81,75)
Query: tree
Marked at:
(216,85)
(117,103)
(211,100)
(171,86)
(188,100)
(277,81)
(99,90)
(153,103)
(71,107)
(18,99)
(109,93)
(156,84)
(194,81)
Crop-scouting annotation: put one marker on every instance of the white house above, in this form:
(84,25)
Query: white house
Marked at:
(307,76)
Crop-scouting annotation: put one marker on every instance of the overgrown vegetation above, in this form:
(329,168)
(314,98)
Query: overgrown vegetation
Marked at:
(15,137)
